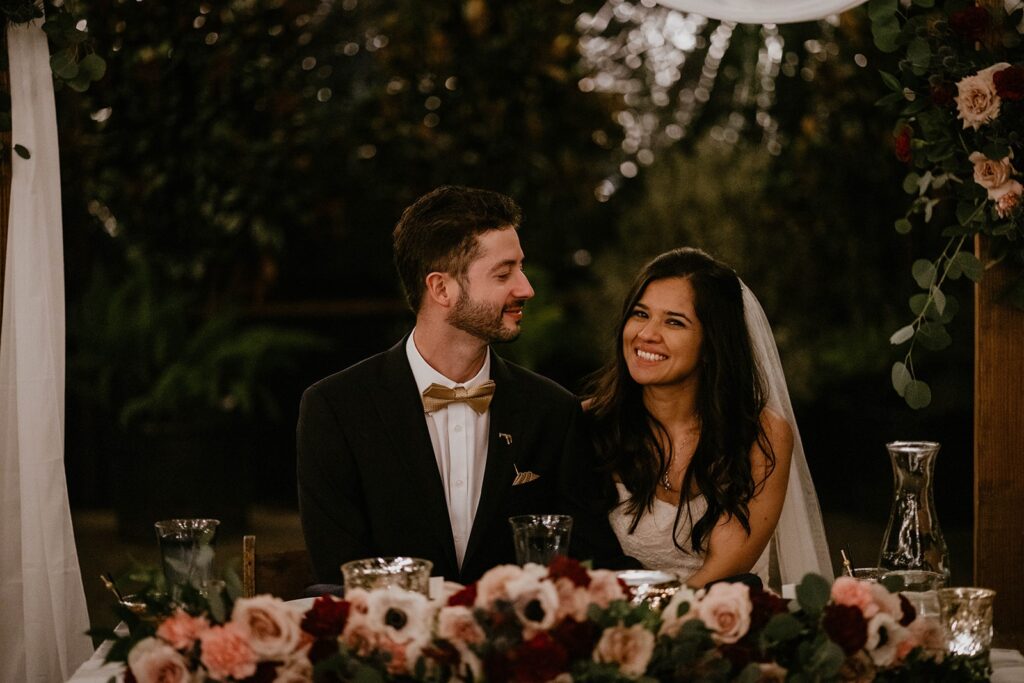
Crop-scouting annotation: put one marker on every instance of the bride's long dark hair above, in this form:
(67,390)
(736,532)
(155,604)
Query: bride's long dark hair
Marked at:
(730,399)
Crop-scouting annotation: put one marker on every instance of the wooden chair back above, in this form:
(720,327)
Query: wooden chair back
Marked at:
(282,574)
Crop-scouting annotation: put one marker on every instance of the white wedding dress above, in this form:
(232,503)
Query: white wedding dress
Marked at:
(798,546)
(651,542)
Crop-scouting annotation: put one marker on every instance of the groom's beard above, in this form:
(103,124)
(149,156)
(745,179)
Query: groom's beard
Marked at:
(484,321)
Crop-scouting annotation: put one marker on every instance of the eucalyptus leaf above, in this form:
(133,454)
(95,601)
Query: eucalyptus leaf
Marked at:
(63,65)
(910,183)
(939,299)
(886,32)
(891,81)
(889,100)
(881,9)
(924,273)
(933,336)
(917,303)
(93,66)
(900,377)
(827,660)
(958,230)
(782,627)
(967,213)
(902,335)
(917,106)
(969,264)
(918,394)
(813,593)
(953,269)
(996,150)
(919,52)
(903,226)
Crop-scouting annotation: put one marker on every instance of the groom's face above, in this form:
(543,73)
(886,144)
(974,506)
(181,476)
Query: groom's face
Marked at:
(494,290)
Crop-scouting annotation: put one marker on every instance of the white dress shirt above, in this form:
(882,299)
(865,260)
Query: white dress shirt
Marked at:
(459,437)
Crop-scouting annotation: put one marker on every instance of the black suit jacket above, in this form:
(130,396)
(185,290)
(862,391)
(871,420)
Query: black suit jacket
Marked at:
(369,484)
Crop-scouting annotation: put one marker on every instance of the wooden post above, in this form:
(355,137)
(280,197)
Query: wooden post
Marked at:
(5,174)
(999,450)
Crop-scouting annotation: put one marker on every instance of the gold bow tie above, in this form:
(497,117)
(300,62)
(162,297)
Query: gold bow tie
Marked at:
(436,396)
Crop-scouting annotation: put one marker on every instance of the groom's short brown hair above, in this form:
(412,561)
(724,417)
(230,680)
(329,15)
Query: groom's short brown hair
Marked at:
(438,233)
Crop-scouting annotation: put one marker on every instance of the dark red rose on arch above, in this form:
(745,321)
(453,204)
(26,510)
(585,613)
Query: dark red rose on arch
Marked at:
(846,626)
(1010,83)
(970,23)
(569,568)
(326,618)
(942,95)
(902,144)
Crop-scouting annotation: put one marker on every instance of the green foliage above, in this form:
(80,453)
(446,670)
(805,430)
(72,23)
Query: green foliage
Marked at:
(942,44)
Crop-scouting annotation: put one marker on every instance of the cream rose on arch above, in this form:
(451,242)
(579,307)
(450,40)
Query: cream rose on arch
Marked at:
(991,174)
(977,102)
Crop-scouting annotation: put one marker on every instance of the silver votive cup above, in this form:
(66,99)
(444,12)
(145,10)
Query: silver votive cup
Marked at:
(967,616)
(406,573)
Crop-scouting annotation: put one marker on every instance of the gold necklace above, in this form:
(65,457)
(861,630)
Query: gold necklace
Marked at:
(665,483)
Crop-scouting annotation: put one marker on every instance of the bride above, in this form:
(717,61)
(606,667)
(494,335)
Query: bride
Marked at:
(692,418)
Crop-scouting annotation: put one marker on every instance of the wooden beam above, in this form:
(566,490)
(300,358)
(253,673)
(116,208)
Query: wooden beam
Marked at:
(5,174)
(999,450)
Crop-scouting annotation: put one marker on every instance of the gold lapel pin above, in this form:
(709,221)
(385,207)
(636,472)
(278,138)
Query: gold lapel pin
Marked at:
(506,437)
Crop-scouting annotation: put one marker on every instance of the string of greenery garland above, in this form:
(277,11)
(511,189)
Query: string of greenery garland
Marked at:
(958,97)
(73,60)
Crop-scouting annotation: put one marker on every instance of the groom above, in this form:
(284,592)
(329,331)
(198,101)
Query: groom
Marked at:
(425,450)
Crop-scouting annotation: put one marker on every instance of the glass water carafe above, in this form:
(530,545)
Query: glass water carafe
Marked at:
(913,538)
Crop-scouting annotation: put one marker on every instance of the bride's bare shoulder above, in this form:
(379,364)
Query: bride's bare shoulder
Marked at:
(779,432)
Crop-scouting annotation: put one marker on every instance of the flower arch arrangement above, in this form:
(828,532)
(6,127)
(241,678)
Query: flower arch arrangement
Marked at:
(959,99)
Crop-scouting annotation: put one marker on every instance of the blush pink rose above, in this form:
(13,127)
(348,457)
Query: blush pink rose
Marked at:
(153,661)
(604,588)
(628,648)
(977,101)
(725,609)
(573,601)
(989,173)
(1008,200)
(181,629)
(270,626)
(853,593)
(226,653)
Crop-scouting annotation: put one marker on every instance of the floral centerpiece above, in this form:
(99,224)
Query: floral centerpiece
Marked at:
(560,623)
(958,96)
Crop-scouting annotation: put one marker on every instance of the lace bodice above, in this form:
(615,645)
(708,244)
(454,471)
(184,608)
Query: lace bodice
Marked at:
(651,542)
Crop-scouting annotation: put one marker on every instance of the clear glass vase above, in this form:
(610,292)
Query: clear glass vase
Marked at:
(913,538)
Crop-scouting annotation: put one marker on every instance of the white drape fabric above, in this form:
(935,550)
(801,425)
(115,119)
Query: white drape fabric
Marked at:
(800,536)
(763,11)
(43,614)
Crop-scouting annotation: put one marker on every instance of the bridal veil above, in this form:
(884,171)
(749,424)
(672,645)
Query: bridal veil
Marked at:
(799,542)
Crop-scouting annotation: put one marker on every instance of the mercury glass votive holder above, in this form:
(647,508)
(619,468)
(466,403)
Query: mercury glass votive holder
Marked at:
(967,616)
(406,573)
(655,588)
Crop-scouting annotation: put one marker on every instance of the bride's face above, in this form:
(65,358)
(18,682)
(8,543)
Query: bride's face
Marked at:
(662,338)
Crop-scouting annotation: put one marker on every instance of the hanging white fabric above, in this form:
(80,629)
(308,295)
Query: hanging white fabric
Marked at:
(42,603)
(763,11)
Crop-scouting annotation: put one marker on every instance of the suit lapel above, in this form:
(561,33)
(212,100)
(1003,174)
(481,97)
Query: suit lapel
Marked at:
(502,453)
(401,410)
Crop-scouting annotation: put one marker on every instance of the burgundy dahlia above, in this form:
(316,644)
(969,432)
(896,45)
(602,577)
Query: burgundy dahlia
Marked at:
(1010,83)
(970,23)
(846,626)
(464,598)
(538,660)
(577,637)
(763,606)
(568,568)
(326,618)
